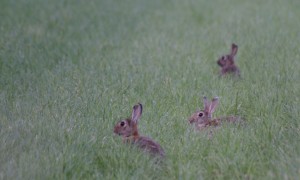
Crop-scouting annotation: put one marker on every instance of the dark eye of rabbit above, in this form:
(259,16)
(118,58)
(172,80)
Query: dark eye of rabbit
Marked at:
(122,123)
(223,58)
(200,114)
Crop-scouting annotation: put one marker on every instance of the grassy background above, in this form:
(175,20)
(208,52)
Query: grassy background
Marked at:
(69,70)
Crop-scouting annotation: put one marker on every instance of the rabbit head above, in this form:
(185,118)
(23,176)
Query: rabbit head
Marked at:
(204,116)
(128,127)
(227,62)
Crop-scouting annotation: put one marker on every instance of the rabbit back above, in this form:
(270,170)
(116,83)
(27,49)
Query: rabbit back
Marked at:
(147,144)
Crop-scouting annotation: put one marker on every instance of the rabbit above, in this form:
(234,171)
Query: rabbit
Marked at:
(227,62)
(128,129)
(203,118)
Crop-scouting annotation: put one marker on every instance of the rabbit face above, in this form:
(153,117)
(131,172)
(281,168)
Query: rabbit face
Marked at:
(128,127)
(203,116)
(225,61)
(198,117)
(123,128)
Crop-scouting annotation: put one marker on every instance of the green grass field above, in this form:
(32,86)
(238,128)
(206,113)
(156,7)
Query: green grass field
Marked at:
(69,70)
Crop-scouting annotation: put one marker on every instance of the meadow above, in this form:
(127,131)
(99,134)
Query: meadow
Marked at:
(69,70)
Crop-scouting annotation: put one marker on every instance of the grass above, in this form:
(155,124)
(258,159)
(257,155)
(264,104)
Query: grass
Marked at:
(69,70)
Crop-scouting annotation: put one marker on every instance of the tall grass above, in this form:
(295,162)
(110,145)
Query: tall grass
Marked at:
(69,70)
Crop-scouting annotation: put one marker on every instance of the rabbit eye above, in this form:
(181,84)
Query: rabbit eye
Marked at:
(223,58)
(122,123)
(200,114)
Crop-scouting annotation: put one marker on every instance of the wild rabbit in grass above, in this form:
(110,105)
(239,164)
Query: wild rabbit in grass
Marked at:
(128,129)
(203,118)
(227,62)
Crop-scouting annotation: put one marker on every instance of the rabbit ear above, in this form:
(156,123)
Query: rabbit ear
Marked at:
(206,104)
(213,105)
(209,107)
(136,112)
(234,49)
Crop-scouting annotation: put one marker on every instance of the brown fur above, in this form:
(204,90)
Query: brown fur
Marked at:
(227,62)
(128,129)
(203,118)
